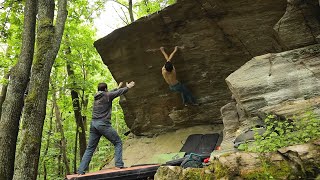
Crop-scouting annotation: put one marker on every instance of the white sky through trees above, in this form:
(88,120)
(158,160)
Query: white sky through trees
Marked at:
(109,19)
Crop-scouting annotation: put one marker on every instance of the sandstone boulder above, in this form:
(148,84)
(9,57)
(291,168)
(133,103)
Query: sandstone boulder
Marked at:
(286,83)
(218,37)
(293,162)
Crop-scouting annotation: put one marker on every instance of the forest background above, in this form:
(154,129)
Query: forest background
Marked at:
(77,69)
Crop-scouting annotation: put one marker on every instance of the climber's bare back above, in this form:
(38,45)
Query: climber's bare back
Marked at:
(170,77)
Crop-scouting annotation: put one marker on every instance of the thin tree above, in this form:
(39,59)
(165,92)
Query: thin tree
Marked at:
(75,150)
(47,145)
(61,131)
(84,96)
(13,103)
(3,92)
(130,11)
(48,43)
(77,108)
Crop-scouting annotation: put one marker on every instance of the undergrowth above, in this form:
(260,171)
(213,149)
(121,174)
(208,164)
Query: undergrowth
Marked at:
(281,133)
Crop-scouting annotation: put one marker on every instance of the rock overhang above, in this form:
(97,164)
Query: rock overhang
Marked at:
(218,36)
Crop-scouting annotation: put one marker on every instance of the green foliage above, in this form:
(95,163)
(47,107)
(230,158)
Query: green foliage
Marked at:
(4,81)
(147,7)
(140,8)
(281,133)
(11,21)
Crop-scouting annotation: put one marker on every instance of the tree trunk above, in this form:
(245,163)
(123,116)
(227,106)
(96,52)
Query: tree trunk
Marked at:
(47,146)
(59,161)
(13,104)
(131,11)
(3,93)
(77,115)
(48,44)
(60,129)
(84,97)
(84,106)
(75,151)
(44,172)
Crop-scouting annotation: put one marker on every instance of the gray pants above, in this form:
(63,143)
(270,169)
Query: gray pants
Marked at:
(100,128)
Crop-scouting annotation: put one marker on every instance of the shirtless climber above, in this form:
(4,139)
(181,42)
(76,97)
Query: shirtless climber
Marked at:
(169,75)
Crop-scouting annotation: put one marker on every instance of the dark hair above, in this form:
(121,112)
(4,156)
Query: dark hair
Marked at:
(102,87)
(168,66)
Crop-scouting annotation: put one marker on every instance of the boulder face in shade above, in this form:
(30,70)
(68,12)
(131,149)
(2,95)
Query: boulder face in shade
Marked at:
(218,38)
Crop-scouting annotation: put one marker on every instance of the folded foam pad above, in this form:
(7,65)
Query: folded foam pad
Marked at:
(163,158)
(202,144)
(137,172)
(176,162)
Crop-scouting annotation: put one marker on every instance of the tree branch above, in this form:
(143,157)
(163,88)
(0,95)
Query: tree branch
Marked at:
(127,20)
(120,16)
(120,4)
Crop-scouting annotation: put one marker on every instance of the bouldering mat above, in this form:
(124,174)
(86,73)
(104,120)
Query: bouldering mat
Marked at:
(130,173)
(202,144)
(163,158)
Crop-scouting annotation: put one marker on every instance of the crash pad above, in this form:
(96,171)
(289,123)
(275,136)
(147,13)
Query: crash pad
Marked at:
(136,172)
(163,158)
(202,144)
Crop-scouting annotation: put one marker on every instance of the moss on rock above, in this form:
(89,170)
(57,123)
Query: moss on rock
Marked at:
(270,170)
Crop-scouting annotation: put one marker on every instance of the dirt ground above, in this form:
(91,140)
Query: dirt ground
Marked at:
(140,150)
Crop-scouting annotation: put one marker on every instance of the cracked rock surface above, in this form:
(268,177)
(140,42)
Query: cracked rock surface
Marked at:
(218,38)
(286,83)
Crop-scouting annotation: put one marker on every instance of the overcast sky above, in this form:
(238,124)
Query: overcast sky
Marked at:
(109,19)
